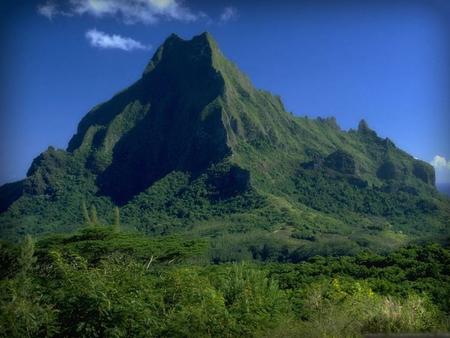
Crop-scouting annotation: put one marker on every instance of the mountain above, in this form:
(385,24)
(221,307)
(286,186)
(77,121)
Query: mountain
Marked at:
(193,147)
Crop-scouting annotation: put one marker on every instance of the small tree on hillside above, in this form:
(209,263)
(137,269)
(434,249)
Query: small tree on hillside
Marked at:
(26,257)
(25,262)
(116,224)
(94,218)
(84,211)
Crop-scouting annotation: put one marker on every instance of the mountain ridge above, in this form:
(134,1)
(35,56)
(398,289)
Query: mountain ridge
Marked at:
(193,147)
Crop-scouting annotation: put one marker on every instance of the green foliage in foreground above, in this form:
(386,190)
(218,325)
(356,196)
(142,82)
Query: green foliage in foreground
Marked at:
(105,283)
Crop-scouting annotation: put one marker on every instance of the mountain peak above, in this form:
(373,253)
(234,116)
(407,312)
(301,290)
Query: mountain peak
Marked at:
(170,119)
(175,47)
(204,37)
(363,126)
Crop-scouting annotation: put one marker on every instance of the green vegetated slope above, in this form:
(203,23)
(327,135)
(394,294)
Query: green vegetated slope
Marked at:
(193,148)
(103,282)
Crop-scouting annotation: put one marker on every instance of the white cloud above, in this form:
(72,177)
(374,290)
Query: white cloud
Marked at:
(102,40)
(439,162)
(49,10)
(442,167)
(229,13)
(130,11)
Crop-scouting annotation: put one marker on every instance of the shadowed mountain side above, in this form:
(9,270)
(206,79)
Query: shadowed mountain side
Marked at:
(194,147)
(172,122)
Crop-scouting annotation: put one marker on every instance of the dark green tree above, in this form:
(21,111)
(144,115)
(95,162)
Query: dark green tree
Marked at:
(94,218)
(26,257)
(116,224)
(84,210)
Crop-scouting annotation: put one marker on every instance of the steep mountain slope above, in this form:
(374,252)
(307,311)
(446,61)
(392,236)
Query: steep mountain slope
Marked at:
(193,147)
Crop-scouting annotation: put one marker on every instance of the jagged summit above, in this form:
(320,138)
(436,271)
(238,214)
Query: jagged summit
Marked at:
(204,37)
(168,120)
(174,47)
(193,141)
(191,108)
(363,126)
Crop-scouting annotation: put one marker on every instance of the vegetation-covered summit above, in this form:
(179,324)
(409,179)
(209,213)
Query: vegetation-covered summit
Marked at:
(193,148)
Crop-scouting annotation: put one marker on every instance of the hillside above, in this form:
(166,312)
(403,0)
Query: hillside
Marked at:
(193,148)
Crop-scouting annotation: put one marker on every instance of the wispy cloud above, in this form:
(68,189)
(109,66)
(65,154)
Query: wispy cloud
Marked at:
(229,13)
(49,10)
(105,41)
(129,11)
(442,167)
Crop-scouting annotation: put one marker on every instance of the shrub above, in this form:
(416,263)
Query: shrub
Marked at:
(252,299)
(336,308)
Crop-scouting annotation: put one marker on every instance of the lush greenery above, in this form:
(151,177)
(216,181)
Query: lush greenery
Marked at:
(102,282)
(230,218)
(192,147)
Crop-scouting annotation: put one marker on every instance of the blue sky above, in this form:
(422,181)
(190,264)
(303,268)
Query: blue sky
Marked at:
(385,61)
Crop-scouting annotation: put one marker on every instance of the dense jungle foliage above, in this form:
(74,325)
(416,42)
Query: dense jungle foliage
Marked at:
(104,282)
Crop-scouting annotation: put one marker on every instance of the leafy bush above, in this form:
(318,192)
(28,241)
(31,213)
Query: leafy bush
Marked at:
(102,282)
(253,300)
